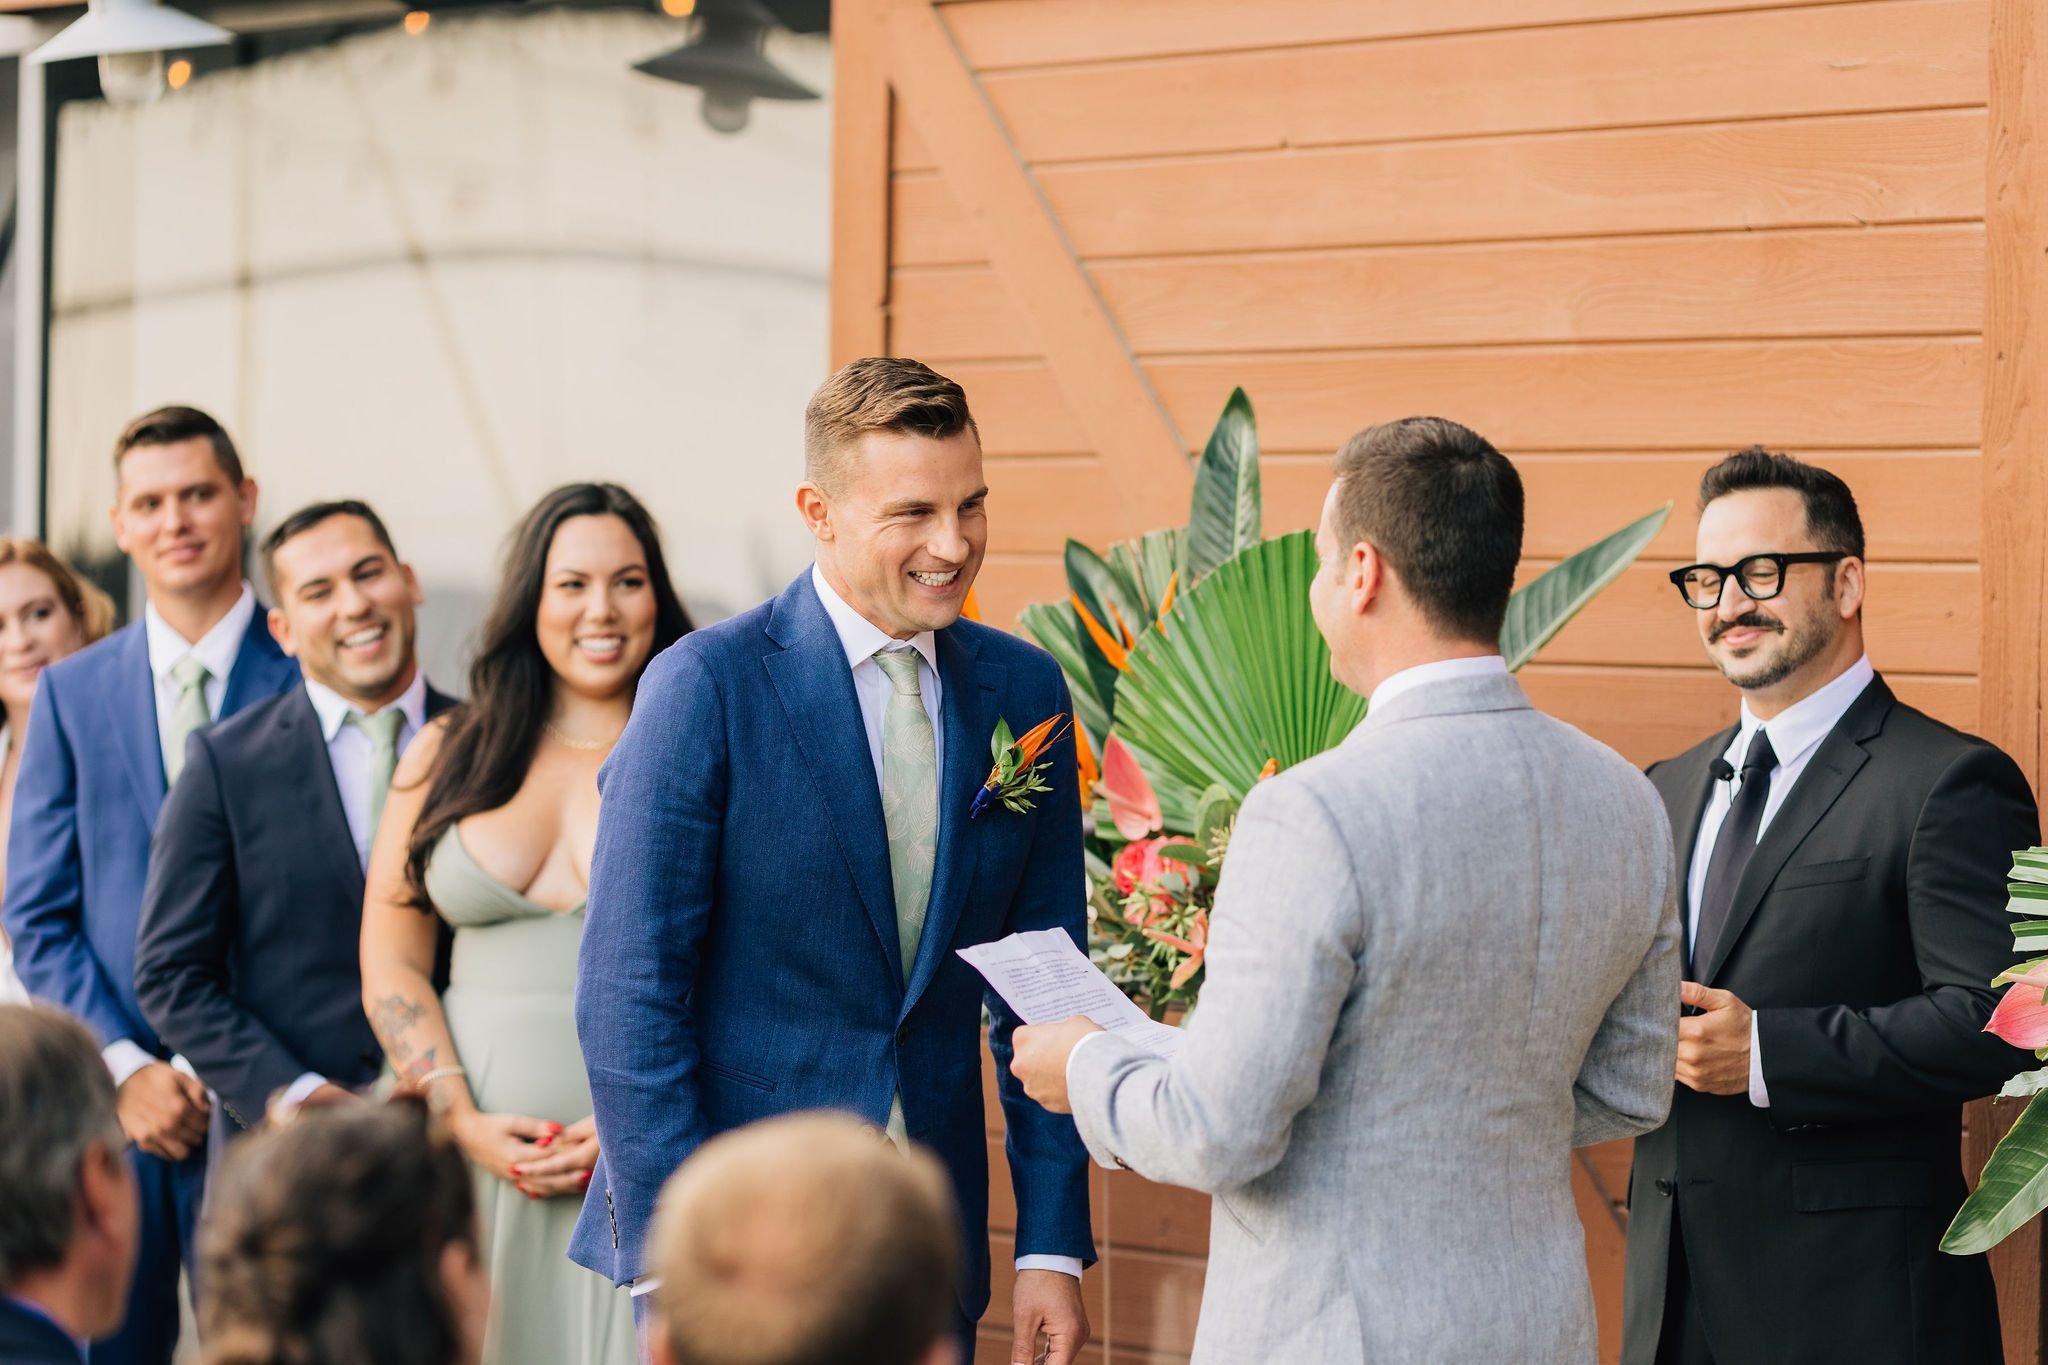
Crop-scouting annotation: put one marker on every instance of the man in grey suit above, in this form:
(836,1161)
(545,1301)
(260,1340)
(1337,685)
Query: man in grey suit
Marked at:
(1442,955)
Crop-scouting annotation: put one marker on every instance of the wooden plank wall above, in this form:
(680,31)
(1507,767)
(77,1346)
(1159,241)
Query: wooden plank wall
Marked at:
(1619,237)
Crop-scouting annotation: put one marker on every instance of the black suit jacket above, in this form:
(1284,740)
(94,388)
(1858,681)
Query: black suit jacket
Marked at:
(248,958)
(31,1339)
(1865,933)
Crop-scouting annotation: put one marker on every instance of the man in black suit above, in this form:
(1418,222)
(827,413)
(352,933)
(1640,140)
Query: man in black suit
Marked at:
(247,958)
(70,1214)
(1844,860)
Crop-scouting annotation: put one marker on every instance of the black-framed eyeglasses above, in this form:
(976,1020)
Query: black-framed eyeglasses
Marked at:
(1762,577)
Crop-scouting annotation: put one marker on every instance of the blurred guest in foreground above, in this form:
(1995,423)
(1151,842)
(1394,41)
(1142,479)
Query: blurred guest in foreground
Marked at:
(490,825)
(68,1215)
(347,1238)
(46,612)
(248,957)
(105,739)
(805,1239)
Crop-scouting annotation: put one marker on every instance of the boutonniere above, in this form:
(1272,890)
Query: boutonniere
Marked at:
(1019,773)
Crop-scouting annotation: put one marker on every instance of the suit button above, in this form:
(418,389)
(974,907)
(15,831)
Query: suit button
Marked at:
(1667,1188)
(903,1035)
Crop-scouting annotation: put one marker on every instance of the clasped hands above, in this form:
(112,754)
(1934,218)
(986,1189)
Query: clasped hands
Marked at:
(1713,1045)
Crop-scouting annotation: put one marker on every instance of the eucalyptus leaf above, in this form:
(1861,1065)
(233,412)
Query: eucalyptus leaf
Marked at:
(1187,855)
(1218,809)
(1225,516)
(1543,606)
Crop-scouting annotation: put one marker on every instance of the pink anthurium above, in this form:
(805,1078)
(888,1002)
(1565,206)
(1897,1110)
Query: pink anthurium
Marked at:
(1133,805)
(2022,1016)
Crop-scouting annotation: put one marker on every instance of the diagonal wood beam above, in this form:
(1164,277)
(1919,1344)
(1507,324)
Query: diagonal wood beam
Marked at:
(1144,456)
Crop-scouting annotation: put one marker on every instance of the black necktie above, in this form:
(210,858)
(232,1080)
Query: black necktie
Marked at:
(1732,850)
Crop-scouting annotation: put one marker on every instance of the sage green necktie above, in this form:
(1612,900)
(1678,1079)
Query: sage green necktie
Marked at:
(910,810)
(382,730)
(190,713)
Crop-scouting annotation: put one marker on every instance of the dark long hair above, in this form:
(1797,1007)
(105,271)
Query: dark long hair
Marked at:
(491,737)
(323,1245)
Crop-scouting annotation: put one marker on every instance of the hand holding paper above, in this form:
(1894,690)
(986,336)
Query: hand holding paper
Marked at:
(1062,997)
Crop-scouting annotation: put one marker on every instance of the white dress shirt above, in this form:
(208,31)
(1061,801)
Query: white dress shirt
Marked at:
(351,752)
(1796,732)
(216,649)
(860,638)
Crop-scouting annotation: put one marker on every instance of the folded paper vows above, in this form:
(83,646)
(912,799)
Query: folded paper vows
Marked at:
(1045,978)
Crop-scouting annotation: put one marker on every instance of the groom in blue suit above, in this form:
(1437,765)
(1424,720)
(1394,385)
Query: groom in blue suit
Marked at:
(105,735)
(786,866)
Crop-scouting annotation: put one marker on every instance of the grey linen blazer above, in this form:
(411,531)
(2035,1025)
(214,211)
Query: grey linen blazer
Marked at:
(1443,955)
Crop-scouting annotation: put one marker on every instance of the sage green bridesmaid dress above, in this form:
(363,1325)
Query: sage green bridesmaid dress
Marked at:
(509,1006)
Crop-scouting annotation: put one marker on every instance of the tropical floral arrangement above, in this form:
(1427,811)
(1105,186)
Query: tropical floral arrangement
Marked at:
(2014,1186)
(1197,671)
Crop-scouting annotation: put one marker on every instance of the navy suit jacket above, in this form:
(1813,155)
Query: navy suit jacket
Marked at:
(29,1338)
(248,960)
(740,956)
(91,784)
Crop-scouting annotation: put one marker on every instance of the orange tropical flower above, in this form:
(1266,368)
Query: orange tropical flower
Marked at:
(1118,656)
(1133,805)
(1195,945)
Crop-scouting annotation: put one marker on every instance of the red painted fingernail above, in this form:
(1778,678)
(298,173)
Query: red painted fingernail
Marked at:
(545,1141)
(554,1128)
(519,1170)
(531,1195)
(586,1179)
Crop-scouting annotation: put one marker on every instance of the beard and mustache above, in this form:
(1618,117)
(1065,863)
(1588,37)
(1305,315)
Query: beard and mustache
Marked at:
(1803,642)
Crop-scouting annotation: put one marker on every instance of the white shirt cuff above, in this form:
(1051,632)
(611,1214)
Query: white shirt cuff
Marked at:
(646,1285)
(125,1057)
(295,1093)
(1065,1265)
(1086,1039)
(1758,1095)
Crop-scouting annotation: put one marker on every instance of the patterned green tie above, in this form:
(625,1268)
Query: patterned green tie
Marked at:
(190,714)
(382,730)
(910,809)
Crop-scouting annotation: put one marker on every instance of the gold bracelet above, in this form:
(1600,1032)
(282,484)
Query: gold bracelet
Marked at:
(438,1073)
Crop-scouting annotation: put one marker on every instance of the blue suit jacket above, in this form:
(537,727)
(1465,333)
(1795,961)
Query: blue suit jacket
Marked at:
(740,956)
(91,783)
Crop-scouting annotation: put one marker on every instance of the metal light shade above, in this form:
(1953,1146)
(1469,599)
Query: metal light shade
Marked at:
(115,28)
(725,61)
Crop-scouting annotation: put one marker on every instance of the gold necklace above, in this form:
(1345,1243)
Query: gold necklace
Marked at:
(583,746)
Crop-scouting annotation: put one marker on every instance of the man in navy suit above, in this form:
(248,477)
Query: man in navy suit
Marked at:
(248,960)
(67,1233)
(786,866)
(109,724)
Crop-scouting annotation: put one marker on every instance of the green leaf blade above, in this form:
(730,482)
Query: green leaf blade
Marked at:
(2013,1189)
(1543,606)
(1227,513)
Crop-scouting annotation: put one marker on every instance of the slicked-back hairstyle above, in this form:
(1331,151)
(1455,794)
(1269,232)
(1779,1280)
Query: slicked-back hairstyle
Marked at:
(1831,516)
(805,1240)
(1445,509)
(169,425)
(311,515)
(58,1103)
(878,393)
(322,1243)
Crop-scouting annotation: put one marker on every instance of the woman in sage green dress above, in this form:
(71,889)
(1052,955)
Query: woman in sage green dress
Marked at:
(489,829)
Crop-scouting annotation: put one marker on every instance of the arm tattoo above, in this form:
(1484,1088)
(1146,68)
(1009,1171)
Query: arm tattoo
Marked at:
(392,1020)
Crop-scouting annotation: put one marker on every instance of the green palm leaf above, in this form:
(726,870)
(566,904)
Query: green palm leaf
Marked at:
(2014,1187)
(1240,676)
(1056,630)
(1226,513)
(1542,607)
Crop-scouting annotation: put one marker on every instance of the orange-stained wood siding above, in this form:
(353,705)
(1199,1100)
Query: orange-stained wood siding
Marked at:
(1619,237)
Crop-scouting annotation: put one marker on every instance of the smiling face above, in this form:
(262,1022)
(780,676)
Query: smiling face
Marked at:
(180,518)
(345,610)
(1784,647)
(35,631)
(902,535)
(597,609)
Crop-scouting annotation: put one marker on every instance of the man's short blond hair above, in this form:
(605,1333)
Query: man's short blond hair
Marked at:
(805,1240)
(878,393)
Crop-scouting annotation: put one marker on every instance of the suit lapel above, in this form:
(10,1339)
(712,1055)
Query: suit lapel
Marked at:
(815,687)
(260,670)
(1828,773)
(1694,785)
(313,768)
(970,694)
(133,697)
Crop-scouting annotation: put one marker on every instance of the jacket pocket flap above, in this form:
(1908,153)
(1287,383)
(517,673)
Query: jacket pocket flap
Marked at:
(1865,1185)
(733,1073)
(1820,874)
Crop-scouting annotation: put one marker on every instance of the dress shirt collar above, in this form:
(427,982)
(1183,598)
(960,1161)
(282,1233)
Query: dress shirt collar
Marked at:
(216,649)
(1443,670)
(333,708)
(1805,723)
(36,1310)
(860,637)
